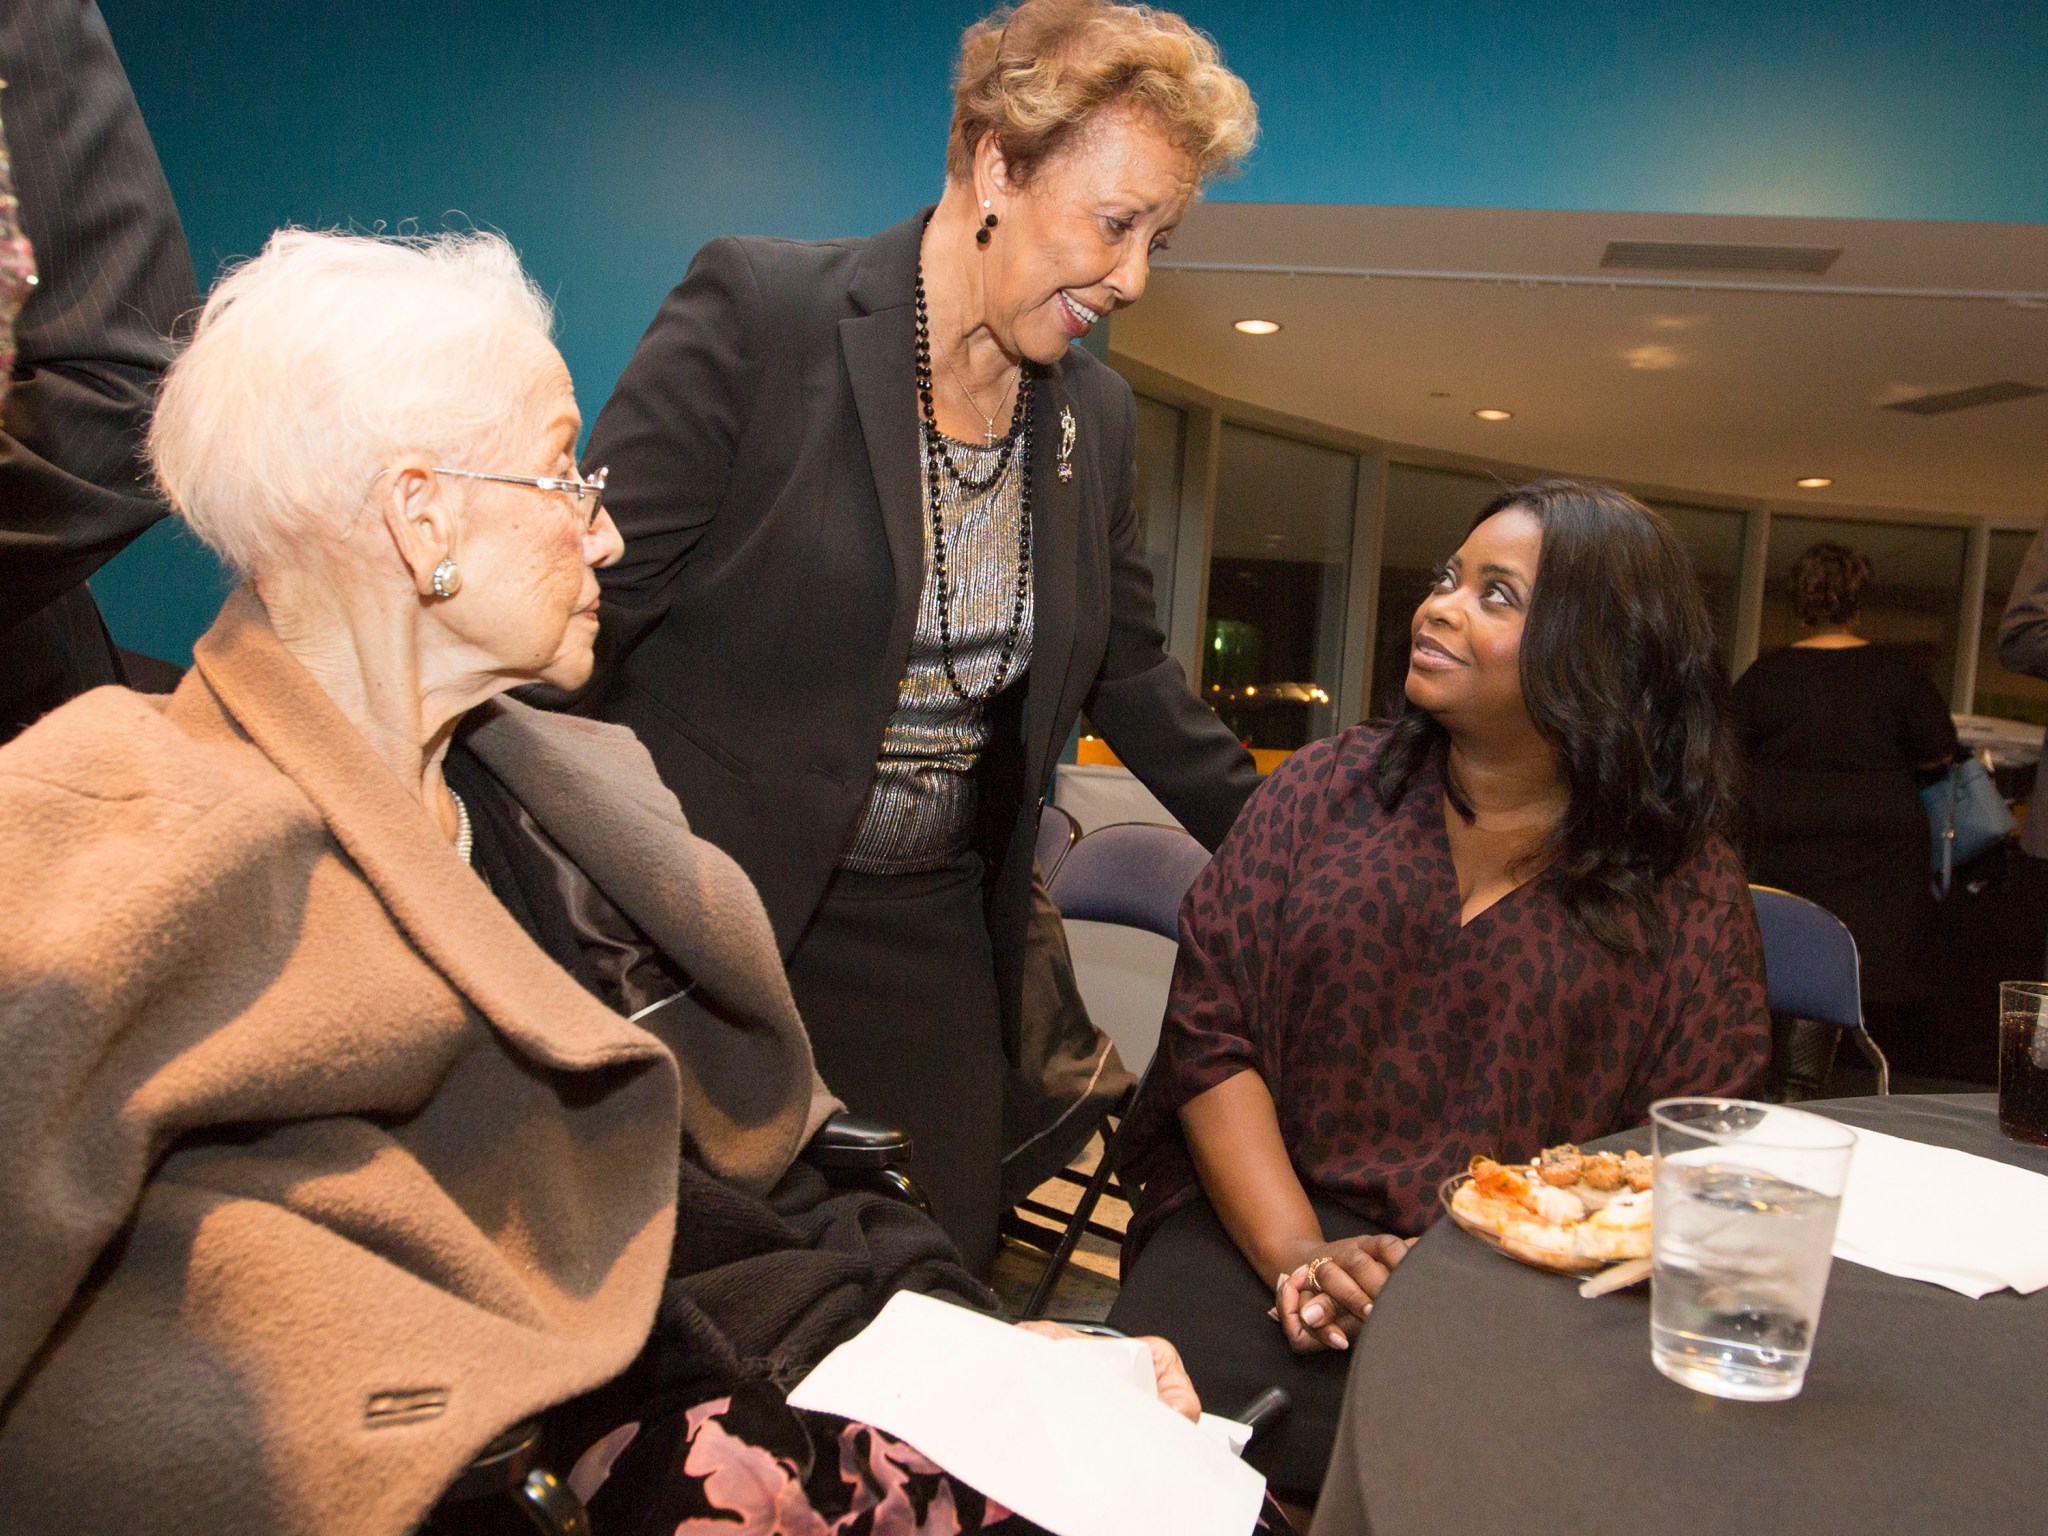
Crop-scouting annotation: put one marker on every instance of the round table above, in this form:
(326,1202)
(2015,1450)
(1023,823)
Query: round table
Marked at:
(1489,1397)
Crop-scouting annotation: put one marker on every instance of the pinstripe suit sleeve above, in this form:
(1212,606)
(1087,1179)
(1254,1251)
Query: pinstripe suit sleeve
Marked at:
(115,278)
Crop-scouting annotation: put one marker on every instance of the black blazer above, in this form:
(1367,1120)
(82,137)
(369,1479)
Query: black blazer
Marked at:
(764,451)
(115,276)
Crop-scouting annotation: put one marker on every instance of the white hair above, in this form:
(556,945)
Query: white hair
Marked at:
(317,362)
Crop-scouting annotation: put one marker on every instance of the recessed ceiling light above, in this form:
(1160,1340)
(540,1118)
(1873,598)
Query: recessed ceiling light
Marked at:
(1256,327)
(1493,413)
(1813,482)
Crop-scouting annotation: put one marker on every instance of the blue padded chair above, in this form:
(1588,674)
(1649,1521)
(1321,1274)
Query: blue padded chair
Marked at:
(1137,875)
(1811,970)
(1057,832)
(1132,873)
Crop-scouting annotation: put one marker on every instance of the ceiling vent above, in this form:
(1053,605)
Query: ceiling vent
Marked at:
(1966,399)
(1700,256)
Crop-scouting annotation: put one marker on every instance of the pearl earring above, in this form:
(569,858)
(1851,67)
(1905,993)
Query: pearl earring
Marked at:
(447,579)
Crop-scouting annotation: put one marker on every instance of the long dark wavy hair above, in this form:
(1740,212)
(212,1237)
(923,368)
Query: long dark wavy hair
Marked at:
(1622,675)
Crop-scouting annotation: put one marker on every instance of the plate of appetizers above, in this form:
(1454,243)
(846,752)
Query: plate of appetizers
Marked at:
(1570,1211)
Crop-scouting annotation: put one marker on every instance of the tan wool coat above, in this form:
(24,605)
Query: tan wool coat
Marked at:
(315,1172)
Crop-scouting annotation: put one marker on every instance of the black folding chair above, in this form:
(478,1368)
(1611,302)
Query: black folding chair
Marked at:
(1057,834)
(1136,875)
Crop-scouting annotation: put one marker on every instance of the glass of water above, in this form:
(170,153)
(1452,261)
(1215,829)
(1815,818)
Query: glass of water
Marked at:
(1747,1196)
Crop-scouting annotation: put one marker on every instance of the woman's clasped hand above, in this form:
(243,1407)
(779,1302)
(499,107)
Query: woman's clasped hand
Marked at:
(1324,1301)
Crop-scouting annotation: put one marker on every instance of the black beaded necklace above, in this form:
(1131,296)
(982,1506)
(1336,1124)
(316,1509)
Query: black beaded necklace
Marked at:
(939,468)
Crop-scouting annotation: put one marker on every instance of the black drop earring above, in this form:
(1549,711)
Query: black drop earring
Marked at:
(982,236)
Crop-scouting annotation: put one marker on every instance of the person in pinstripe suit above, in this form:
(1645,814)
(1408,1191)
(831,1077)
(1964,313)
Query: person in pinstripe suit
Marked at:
(93,341)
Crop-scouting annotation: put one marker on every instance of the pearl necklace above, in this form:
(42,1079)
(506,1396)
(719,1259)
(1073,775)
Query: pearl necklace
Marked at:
(465,834)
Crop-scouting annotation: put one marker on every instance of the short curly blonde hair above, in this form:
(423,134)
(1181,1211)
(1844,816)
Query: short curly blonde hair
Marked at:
(1037,73)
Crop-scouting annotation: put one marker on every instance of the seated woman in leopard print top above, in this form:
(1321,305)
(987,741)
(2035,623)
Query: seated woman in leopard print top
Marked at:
(1511,919)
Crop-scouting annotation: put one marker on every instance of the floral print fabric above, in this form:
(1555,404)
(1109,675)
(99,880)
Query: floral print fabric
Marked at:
(882,1487)
(749,1465)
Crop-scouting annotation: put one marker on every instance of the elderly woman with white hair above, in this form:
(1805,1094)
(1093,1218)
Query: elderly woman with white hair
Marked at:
(355,1014)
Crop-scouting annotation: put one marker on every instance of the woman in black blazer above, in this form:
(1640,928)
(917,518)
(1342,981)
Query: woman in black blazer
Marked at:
(881,550)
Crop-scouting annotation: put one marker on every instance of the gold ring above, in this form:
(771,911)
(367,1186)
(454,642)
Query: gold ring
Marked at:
(1315,1267)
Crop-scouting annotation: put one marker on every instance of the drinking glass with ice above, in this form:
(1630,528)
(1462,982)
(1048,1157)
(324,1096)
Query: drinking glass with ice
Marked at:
(1746,1200)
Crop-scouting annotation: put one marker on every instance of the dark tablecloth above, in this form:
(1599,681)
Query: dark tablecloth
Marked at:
(1488,1397)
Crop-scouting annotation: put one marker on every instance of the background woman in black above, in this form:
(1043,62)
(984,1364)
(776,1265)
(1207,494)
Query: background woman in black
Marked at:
(881,550)
(1837,732)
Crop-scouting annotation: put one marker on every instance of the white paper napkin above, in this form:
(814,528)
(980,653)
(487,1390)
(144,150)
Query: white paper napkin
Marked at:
(1062,1434)
(1947,1217)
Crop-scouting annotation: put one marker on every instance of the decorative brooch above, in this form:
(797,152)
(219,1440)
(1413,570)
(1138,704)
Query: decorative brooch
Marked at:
(1066,443)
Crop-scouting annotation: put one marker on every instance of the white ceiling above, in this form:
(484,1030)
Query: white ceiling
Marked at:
(1694,384)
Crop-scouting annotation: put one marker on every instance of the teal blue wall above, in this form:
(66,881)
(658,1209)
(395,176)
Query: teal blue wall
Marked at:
(609,139)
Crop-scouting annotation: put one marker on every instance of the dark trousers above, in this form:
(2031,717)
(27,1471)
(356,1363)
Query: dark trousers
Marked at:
(50,658)
(896,983)
(1191,1286)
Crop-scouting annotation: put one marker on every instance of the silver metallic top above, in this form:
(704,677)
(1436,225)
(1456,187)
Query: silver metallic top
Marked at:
(920,810)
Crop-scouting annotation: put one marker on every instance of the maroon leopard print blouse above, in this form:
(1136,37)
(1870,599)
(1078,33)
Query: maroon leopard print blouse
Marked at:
(1322,950)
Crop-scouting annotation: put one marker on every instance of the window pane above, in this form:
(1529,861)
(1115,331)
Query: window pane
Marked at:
(1279,571)
(1916,587)
(1999,692)
(1161,434)
(1428,513)
(1714,536)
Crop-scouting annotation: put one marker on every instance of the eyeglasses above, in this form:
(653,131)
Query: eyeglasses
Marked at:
(588,491)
